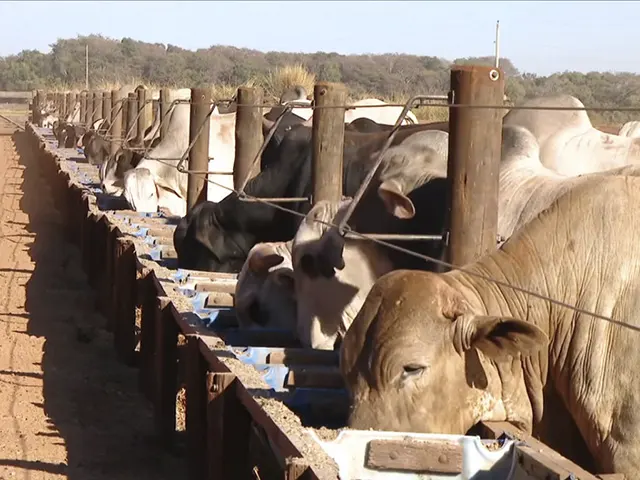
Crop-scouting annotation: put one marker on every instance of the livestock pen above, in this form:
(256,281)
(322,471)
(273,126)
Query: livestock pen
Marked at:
(258,405)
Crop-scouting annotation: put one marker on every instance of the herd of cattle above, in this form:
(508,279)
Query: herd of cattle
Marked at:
(423,349)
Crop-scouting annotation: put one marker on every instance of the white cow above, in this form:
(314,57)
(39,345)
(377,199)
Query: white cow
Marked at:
(569,135)
(153,184)
(158,183)
(385,115)
(264,295)
(630,129)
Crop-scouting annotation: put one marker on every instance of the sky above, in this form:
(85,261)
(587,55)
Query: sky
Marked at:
(538,37)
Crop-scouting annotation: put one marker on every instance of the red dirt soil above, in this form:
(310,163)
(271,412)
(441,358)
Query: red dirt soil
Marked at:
(68,408)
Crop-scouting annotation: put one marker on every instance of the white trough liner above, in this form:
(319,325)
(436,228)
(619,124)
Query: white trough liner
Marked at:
(349,451)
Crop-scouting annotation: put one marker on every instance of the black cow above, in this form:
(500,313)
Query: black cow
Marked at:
(218,236)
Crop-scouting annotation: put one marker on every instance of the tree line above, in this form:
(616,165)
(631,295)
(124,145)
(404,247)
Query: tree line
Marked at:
(392,77)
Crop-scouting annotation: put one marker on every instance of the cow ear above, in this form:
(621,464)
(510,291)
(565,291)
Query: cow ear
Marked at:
(261,260)
(497,337)
(396,202)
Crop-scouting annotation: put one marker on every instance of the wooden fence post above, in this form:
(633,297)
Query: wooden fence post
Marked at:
(106,106)
(327,137)
(63,107)
(70,103)
(97,107)
(77,100)
(132,110)
(83,108)
(475,138)
(116,121)
(90,108)
(142,117)
(165,103)
(248,135)
(199,154)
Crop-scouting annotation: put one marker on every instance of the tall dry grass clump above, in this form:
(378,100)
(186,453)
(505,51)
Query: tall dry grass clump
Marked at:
(277,81)
(224,91)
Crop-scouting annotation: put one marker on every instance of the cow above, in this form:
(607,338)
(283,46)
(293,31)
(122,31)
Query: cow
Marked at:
(375,110)
(630,129)
(348,265)
(566,134)
(151,179)
(433,352)
(326,264)
(404,169)
(264,295)
(218,236)
(526,186)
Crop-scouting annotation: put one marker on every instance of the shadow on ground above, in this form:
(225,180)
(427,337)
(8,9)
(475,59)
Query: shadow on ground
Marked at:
(91,400)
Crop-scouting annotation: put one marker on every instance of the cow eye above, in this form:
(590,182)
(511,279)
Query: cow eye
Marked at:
(413,369)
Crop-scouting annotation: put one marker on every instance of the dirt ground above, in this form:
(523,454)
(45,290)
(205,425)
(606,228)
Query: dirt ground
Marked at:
(68,408)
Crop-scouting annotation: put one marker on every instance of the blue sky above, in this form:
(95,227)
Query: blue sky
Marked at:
(540,37)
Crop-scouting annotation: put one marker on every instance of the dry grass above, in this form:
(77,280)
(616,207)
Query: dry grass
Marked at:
(224,91)
(277,81)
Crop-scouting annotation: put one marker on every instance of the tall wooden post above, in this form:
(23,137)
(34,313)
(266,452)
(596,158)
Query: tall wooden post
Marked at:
(248,135)
(165,103)
(142,118)
(199,154)
(328,141)
(70,103)
(132,111)
(62,112)
(97,107)
(116,121)
(90,100)
(83,108)
(106,106)
(475,138)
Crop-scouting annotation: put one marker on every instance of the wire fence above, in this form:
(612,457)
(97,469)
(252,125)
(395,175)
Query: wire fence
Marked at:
(343,228)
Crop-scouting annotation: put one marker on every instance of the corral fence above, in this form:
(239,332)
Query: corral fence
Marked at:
(232,431)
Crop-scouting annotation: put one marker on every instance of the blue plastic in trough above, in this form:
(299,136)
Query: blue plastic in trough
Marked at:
(156,253)
(149,240)
(198,300)
(252,355)
(187,292)
(273,375)
(142,231)
(180,276)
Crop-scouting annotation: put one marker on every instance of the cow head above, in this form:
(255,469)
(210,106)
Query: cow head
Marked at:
(419,358)
(140,190)
(265,296)
(112,171)
(317,250)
